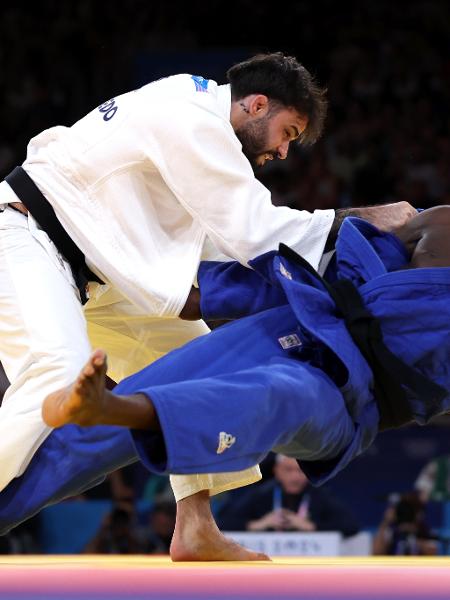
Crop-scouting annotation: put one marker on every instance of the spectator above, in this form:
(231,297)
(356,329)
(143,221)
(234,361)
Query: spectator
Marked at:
(433,482)
(22,539)
(117,534)
(287,503)
(157,534)
(117,487)
(156,489)
(403,530)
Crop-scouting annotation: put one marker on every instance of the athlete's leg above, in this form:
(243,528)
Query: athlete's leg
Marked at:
(87,402)
(71,460)
(42,328)
(193,496)
(197,536)
(287,396)
(283,396)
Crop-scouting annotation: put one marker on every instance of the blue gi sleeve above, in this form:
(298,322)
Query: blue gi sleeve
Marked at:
(228,290)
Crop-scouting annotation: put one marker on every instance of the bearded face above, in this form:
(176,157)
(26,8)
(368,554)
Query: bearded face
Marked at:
(254,135)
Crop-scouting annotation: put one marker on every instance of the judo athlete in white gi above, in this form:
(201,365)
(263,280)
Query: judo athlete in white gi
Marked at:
(127,196)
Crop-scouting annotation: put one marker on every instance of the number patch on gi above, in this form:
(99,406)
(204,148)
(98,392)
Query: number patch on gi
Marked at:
(290,341)
(108,109)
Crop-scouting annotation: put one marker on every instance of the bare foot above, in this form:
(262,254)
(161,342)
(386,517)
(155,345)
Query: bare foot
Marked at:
(205,544)
(82,402)
(197,537)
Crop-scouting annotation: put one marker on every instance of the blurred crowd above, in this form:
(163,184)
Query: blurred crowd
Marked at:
(138,513)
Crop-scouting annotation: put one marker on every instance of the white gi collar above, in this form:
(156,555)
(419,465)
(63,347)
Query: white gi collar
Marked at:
(224,99)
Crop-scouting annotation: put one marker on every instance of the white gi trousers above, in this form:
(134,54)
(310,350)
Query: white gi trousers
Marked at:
(43,338)
(44,344)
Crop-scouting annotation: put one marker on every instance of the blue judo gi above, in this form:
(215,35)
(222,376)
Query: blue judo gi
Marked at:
(289,377)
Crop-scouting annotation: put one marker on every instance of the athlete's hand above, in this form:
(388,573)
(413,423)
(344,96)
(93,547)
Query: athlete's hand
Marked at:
(386,217)
(272,520)
(295,521)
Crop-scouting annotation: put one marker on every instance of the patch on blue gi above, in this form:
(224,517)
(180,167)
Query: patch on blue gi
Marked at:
(226,440)
(201,84)
(284,271)
(290,341)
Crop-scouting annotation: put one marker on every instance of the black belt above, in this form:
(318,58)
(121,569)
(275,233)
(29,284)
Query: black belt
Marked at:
(40,208)
(391,374)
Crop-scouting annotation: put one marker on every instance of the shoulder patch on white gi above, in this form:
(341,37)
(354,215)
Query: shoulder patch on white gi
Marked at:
(226,440)
(284,271)
(201,84)
(290,341)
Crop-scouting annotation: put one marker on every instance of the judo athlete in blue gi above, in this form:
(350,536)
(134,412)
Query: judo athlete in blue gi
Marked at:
(314,373)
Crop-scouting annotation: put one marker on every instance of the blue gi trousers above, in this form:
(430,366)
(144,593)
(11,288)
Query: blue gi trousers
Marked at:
(239,381)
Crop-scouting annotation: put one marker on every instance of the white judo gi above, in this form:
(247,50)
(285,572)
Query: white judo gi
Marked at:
(139,184)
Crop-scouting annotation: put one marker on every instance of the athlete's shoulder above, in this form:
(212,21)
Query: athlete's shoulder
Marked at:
(183,83)
(437,214)
(430,217)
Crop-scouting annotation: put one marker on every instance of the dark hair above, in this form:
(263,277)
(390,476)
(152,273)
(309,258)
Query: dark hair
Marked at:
(283,79)
(119,516)
(409,508)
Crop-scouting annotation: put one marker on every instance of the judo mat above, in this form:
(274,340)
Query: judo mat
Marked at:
(141,577)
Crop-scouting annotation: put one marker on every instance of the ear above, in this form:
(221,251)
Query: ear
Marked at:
(258,105)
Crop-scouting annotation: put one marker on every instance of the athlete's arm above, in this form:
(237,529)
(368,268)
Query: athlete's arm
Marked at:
(386,217)
(228,291)
(191,309)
